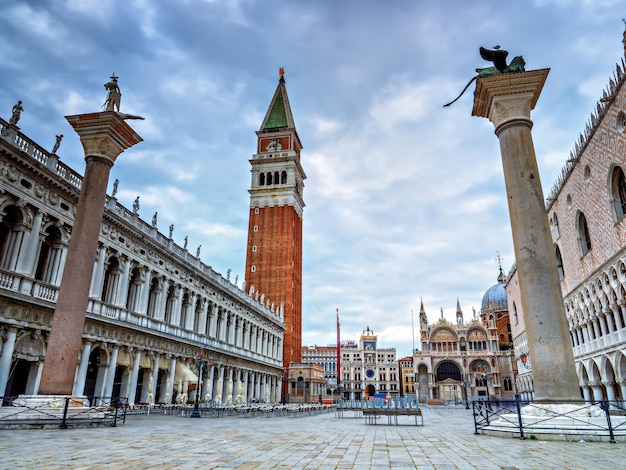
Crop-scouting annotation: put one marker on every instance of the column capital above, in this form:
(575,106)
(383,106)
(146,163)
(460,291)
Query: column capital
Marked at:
(103,134)
(505,97)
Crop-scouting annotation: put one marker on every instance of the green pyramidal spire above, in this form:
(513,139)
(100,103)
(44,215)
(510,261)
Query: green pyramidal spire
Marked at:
(279,112)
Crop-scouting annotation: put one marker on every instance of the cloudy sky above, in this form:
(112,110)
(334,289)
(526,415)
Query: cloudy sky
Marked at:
(404,199)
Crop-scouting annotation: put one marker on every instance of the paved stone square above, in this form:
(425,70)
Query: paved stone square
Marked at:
(446,441)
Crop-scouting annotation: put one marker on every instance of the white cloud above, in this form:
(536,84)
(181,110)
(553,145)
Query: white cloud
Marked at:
(404,199)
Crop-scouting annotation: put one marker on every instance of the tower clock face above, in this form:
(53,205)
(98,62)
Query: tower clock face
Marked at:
(369,373)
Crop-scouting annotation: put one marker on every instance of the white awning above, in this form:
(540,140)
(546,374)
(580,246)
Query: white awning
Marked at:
(183,372)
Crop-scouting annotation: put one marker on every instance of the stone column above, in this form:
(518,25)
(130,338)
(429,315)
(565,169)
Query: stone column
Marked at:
(155,377)
(506,100)
(103,136)
(28,261)
(170,384)
(123,284)
(622,386)
(6,358)
(246,386)
(98,272)
(134,375)
(79,385)
(596,388)
(110,378)
(144,292)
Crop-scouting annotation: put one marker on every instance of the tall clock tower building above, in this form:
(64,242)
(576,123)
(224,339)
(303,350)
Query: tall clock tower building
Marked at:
(274,250)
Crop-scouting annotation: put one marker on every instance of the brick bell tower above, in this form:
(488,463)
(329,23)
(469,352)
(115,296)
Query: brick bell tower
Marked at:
(274,251)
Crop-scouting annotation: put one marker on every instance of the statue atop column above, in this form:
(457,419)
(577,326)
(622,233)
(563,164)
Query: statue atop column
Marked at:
(114,95)
(498,57)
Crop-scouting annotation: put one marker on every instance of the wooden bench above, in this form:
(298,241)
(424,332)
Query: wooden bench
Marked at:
(371,414)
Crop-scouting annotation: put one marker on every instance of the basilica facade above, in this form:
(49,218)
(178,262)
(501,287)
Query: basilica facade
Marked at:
(464,361)
(161,326)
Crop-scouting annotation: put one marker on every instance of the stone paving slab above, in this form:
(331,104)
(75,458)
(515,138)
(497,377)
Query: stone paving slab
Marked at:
(321,442)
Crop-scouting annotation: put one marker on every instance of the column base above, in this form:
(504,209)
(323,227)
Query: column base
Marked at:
(559,422)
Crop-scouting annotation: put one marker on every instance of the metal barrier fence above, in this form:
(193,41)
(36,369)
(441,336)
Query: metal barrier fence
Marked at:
(62,412)
(569,418)
(244,410)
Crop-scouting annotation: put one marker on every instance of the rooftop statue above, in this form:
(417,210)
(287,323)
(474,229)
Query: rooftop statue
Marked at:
(16,112)
(498,57)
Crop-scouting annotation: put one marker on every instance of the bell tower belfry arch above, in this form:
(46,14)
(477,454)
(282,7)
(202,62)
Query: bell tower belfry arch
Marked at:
(274,249)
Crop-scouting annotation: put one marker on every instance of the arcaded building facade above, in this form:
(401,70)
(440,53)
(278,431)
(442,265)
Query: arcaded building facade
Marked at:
(155,310)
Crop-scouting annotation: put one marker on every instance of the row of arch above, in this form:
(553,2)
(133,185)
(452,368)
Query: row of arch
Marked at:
(146,292)
(272,178)
(603,377)
(598,308)
(112,371)
(34,244)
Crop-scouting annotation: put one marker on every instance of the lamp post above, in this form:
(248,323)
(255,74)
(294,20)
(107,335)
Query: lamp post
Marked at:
(200,365)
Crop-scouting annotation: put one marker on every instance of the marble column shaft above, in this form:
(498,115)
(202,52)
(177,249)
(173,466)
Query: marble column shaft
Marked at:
(506,100)
(103,136)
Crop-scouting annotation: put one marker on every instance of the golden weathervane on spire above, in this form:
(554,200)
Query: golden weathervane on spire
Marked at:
(281,72)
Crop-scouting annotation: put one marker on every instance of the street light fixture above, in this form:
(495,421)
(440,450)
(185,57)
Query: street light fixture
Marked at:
(200,365)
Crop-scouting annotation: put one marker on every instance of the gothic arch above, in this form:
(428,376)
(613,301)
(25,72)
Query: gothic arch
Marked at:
(620,365)
(617,191)
(584,236)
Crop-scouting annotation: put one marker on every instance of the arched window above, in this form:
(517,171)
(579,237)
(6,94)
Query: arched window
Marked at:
(559,262)
(618,189)
(153,298)
(134,290)
(197,315)
(583,234)
(555,224)
(184,310)
(508,386)
(283,177)
(10,237)
(276,177)
(170,303)
(261,179)
(50,253)
(515,317)
(269,177)
(111,278)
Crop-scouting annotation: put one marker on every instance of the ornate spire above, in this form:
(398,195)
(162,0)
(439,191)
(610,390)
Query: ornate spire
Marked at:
(279,112)
(459,313)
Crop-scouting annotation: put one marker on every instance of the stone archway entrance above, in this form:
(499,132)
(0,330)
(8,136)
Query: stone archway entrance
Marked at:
(448,383)
(370,390)
(18,378)
(91,378)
